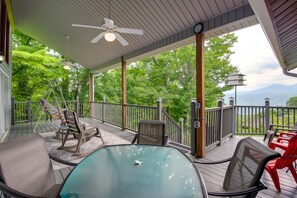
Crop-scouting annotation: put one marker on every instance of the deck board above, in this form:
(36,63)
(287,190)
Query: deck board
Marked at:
(214,174)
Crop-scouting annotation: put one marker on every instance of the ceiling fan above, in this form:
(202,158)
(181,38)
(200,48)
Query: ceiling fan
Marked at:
(111,32)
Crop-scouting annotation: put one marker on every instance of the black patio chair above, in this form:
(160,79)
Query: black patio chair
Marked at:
(276,128)
(269,137)
(244,171)
(26,169)
(151,132)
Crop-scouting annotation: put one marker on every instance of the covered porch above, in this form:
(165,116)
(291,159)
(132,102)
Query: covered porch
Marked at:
(212,175)
(167,25)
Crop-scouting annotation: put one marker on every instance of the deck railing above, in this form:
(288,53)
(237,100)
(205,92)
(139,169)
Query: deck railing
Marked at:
(218,123)
(112,113)
(255,120)
(221,122)
(27,111)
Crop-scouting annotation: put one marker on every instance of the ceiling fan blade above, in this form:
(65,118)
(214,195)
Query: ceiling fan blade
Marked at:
(88,26)
(130,31)
(97,38)
(108,22)
(121,39)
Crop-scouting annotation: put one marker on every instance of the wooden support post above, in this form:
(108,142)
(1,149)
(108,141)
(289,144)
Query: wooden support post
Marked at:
(91,94)
(124,94)
(200,132)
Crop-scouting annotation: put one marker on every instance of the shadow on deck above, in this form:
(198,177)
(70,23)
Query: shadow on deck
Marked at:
(215,174)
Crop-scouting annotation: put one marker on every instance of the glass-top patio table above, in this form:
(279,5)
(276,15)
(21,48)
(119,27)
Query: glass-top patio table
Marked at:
(134,171)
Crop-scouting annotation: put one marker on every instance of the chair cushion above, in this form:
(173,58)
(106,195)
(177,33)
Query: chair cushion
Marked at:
(25,165)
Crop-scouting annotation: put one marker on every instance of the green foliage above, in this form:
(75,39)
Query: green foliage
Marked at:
(292,102)
(35,65)
(171,76)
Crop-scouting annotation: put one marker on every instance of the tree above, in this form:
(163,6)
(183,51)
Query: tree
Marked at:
(292,102)
(35,65)
(171,76)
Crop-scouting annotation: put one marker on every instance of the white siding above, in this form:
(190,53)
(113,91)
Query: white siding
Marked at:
(5,95)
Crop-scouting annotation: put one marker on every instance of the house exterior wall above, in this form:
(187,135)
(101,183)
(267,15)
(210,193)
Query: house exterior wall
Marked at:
(5,71)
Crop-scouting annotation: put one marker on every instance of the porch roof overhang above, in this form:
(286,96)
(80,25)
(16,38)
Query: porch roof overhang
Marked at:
(279,22)
(167,24)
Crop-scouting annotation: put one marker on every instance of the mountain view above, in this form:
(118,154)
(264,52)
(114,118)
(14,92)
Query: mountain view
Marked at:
(278,95)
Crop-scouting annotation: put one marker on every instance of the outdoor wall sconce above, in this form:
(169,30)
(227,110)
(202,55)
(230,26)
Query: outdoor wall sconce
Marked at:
(1,58)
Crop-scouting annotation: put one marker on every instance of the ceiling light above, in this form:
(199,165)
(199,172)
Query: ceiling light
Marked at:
(109,36)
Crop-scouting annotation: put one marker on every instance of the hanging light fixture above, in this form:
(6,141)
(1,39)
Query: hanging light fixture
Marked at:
(66,64)
(109,35)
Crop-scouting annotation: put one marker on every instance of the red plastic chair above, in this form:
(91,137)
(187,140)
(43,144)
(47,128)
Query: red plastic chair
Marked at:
(285,161)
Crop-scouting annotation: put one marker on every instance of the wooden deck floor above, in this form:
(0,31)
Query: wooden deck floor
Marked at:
(215,174)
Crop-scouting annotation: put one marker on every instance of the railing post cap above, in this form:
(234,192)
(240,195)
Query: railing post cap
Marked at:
(267,99)
(159,100)
(181,119)
(193,100)
(231,98)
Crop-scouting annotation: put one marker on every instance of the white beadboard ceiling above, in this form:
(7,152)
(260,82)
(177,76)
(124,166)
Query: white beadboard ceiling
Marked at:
(167,24)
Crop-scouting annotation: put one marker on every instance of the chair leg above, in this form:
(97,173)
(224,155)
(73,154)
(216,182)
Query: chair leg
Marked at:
(64,140)
(293,171)
(79,143)
(274,176)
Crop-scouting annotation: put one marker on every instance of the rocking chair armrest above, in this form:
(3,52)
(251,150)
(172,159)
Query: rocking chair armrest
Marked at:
(13,193)
(62,161)
(278,125)
(250,190)
(214,162)
(89,129)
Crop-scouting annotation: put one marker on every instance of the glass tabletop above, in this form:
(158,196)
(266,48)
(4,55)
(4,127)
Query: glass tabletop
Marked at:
(134,171)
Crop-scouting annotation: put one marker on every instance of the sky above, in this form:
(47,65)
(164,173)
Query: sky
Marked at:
(255,58)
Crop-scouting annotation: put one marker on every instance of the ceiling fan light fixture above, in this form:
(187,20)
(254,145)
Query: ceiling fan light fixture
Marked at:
(109,36)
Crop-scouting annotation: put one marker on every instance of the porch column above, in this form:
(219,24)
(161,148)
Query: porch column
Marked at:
(200,132)
(91,93)
(124,93)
